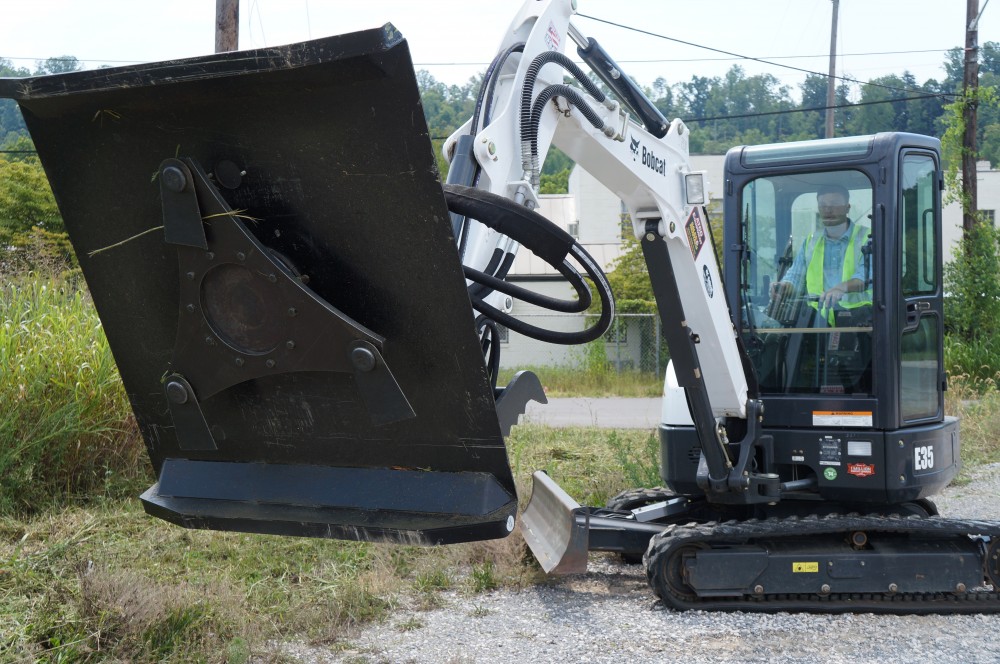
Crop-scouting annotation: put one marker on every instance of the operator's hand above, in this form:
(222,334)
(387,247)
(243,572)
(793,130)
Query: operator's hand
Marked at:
(780,290)
(831,297)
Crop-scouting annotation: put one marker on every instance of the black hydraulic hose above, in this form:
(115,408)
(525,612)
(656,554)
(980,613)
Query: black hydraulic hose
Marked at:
(532,297)
(575,98)
(528,89)
(564,338)
(547,241)
(490,347)
(489,86)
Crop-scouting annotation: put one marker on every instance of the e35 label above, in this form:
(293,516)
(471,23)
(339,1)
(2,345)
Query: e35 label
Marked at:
(923,457)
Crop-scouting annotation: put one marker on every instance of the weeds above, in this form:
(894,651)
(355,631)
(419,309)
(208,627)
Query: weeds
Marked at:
(564,382)
(65,423)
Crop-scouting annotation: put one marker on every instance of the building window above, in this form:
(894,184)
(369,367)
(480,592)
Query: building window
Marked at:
(573,228)
(990,216)
(503,333)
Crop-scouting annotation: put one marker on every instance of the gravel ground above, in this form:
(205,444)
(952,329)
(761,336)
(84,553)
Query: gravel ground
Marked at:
(609,615)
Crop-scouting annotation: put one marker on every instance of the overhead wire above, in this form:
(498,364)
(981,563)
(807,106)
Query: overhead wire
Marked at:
(753,59)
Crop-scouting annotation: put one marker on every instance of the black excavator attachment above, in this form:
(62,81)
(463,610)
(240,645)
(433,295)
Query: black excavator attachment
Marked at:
(267,243)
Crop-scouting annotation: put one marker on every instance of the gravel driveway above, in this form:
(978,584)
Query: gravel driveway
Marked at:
(609,615)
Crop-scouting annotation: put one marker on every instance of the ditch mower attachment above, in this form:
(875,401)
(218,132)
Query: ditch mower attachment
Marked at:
(267,244)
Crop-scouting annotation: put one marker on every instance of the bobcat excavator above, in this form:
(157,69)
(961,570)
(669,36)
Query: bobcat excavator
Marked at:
(306,320)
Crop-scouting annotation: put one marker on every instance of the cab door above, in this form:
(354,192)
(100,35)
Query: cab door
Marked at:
(921,373)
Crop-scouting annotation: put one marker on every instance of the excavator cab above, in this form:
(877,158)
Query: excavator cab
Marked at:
(268,246)
(853,391)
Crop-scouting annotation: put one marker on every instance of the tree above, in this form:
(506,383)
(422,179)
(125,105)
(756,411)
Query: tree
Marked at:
(629,279)
(31,228)
(62,64)
(555,183)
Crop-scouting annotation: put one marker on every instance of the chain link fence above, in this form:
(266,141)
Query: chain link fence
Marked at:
(633,344)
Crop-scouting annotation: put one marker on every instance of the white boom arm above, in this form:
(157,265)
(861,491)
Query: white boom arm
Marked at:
(646,172)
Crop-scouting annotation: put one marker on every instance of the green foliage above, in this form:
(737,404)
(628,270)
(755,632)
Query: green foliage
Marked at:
(32,234)
(556,183)
(629,279)
(65,423)
(640,465)
(972,308)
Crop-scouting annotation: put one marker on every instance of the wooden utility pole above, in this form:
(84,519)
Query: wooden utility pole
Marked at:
(227,25)
(831,81)
(970,87)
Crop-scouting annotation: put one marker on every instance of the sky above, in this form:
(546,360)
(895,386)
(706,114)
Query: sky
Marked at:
(455,39)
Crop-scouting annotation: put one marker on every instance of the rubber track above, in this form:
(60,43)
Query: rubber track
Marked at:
(662,546)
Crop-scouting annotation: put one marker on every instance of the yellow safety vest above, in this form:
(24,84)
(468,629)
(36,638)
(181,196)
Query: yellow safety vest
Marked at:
(814,272)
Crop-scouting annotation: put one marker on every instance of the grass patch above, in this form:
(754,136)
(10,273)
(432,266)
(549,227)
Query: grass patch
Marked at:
(976,402)
(566,382)
(65,422)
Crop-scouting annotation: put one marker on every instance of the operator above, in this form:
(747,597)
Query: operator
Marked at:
(830,264)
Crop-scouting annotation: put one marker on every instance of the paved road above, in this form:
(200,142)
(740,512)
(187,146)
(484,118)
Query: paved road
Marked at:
(609,413)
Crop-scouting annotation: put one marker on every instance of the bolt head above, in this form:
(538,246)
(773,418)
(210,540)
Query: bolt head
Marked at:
(240,362)
(269,364)
(174,179)
(176,392)
(290,345)
(363,359)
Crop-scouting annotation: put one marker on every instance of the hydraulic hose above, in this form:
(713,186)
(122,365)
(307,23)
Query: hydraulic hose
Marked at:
(550,243)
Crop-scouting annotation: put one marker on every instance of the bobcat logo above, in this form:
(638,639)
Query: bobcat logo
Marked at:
(634,147)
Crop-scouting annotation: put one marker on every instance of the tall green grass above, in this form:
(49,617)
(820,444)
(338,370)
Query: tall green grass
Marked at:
(65,423)
(579,382)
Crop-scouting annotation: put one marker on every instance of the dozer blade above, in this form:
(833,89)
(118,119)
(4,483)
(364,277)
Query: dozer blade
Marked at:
(555,527)
(267,243)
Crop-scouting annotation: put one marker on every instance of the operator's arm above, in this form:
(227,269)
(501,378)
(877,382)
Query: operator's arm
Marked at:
(795,276)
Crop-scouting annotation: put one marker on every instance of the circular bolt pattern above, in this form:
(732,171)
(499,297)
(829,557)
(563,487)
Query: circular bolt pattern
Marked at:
(240,256)
(176,392)
(239,362)
(269,364)
(290,345)
(174,179)
(893,587)
(758,589)
(363,359)
(825,589)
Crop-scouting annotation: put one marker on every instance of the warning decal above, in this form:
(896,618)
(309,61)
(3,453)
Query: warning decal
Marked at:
(842,418)
(811,568)
(695,229)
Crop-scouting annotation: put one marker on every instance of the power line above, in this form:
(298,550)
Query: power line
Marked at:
(812,108)
(747,57)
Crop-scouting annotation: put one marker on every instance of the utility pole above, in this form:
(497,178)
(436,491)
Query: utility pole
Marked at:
(831,81)
(227,25)
(970,87)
